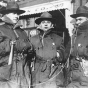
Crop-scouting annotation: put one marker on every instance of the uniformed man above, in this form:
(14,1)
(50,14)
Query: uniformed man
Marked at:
(13,43)
(79,52)
(50,52)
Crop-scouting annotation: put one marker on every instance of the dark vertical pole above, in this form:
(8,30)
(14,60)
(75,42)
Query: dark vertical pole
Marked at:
(80,2)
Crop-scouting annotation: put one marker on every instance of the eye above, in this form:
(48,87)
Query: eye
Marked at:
(43,22)
(79,19)
(48,22)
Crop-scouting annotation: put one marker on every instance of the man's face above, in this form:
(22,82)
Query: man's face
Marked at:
(80,20)
(13,16)
(46,25)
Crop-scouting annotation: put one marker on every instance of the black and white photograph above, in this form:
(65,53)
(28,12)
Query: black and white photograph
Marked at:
(43,44)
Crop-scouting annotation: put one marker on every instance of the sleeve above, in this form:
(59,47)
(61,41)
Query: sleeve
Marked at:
(4,45)
(22,42)
(61,51)
(68,49)
(22,45)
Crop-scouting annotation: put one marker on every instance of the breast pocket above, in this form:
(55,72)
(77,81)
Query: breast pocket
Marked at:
(5,47)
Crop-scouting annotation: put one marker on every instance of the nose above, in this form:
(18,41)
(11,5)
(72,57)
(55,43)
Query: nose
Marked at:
(46,23)
(78,22)
(16,16)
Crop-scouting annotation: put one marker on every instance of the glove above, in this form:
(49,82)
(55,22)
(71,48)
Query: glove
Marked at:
(59,56)
(57,60)
(5,47)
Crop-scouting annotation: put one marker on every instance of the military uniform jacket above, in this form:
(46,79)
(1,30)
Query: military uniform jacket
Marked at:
(80,56)
(47,45)
(7,35)
(80,43)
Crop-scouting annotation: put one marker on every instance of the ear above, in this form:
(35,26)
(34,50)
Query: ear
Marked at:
(86,18)
(52,25)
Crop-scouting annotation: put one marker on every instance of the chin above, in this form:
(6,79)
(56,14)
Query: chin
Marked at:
(46,29)
(15,22)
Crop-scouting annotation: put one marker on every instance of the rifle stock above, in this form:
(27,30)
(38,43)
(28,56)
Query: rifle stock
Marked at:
(11,53)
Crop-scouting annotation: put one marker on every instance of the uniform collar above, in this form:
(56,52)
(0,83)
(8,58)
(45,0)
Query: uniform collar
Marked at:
(46,32)
(83,26)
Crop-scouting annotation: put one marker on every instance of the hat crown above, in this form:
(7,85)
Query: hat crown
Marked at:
(46,15)
(82,9)
(12,5)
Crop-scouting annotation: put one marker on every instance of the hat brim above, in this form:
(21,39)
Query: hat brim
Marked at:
(80,14)
(10,11)
(38,21)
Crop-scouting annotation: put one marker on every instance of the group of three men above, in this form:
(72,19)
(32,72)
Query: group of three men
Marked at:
(50,53)
(46,46)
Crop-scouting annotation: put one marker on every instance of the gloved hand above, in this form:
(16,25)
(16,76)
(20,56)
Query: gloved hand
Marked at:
(59,56)
(58,59)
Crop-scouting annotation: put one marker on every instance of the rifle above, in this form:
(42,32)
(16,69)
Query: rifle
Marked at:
(12,43)
(11,52)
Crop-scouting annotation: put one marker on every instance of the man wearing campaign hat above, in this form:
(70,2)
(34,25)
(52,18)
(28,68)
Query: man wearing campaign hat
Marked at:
(50,53)
(13,44)
(79,53)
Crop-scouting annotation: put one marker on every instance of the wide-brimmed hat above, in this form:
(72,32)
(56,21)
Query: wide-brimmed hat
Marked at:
(45,16)
(81,11)
(12,6)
